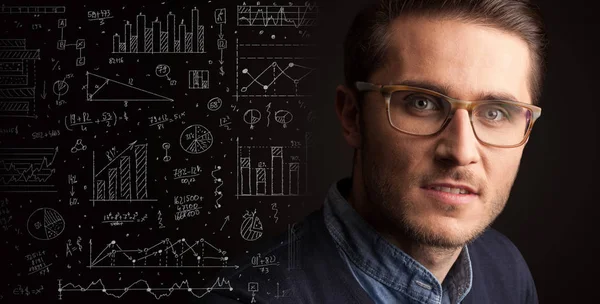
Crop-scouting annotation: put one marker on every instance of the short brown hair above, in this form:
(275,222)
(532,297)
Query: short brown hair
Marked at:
(365,45)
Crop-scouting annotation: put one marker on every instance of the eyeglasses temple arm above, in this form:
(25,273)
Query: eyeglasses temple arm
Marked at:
(365,86)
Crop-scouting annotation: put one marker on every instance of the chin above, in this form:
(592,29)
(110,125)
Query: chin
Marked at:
(440,231)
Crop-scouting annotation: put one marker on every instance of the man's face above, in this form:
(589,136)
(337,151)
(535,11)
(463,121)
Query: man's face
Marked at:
(397,168)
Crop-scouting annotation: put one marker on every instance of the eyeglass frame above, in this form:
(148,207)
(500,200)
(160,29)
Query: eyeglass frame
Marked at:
(455,104)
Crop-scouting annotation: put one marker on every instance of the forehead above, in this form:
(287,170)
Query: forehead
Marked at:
(468,59)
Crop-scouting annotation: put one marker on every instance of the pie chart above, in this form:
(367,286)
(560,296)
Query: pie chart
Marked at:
(45,224)
(195,139)
(252,228)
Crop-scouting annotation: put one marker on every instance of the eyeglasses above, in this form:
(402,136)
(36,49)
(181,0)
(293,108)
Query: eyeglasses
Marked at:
(418,111)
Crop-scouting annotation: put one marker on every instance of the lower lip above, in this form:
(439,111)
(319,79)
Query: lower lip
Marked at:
(450,198)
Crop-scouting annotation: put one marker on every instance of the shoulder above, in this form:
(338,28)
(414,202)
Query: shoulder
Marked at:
(494,255)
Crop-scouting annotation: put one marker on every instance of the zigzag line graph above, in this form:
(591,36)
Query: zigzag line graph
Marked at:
(27,169)
(268,77)
(142,285)
(277,15)
(164,254)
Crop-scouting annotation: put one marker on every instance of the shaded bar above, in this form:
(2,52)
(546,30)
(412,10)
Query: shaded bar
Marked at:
(245,176)
(277,170)
(125,177)
(141,171)
(261,181)
(294,178)
(112,184)
(100,195)
(156,36)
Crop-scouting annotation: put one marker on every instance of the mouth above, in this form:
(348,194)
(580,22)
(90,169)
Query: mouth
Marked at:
(450,194)
(450,190)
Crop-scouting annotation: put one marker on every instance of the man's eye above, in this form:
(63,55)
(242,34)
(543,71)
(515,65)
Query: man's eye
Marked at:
(495,114)
(422,103)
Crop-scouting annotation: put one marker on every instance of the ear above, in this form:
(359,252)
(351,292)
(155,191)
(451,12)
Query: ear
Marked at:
(346,107)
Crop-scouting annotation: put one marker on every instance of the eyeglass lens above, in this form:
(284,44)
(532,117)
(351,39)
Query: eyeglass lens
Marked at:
(494,122)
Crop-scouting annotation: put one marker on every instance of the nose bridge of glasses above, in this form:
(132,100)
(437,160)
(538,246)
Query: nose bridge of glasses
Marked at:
(457,104)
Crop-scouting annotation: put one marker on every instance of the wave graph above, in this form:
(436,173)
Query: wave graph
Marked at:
(143,285)
(277,15)
(27,169)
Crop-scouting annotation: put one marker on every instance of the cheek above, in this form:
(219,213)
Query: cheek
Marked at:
(502,168)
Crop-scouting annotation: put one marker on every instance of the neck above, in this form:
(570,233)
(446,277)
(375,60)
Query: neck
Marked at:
(437,260)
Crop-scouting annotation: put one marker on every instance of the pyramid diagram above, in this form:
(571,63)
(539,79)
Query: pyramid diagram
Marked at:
(100,88)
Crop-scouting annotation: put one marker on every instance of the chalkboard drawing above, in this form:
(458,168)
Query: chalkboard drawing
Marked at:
(267,78)
(294,261)
(155,39)
(252,228)
(252,117)
(17,78)
(253,288)
(166,147)
(62,44)
(60,88)
(141,285)
(27,170)
(214,103)
(195,139)
(198,79)
(272,170)
(277,15)
(45,224)
(79,146)
(100,88)
(164,254)
(283,117)
(32,9)
(124,178)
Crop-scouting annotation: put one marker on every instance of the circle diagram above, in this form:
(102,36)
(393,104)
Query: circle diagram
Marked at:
(60,87)
(252,228)
(252,117)
(283,117)
(214,104)
(45,224)
(196,139)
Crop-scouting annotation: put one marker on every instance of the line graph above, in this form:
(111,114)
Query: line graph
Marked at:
(163,254)
(27,169)
(143,285)
(273,76)
(277,15)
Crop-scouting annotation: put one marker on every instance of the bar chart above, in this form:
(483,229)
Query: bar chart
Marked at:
(124,178)
(158,38)
(272,170)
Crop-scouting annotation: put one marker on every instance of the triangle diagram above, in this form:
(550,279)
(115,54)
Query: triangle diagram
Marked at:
(99,88)
(257,225)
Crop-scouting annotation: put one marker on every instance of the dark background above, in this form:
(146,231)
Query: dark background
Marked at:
(550,214)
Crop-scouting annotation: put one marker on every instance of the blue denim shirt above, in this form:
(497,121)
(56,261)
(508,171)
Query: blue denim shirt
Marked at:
(384,271)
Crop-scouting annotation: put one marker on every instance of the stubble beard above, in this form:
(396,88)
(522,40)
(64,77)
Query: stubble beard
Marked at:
(394,209)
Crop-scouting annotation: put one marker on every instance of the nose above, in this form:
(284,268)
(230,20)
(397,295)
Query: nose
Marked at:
(457,144)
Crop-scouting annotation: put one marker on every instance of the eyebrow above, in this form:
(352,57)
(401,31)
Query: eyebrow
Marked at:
(445,89)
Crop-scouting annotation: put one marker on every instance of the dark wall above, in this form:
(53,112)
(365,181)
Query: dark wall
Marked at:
(153,136)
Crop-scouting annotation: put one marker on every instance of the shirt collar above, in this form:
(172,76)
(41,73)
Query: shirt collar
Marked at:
(384,262)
